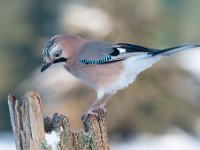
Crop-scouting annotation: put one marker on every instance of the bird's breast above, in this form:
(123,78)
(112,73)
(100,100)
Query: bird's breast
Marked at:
(102,76)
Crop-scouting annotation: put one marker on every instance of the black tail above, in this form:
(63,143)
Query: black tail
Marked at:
(169,51)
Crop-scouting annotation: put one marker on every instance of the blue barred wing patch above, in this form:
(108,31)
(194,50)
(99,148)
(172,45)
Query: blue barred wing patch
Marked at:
(98,61)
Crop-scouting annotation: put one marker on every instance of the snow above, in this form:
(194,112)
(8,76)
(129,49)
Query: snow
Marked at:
(165,142)
(53,139)
(169,141)
(174,139)
(6,141)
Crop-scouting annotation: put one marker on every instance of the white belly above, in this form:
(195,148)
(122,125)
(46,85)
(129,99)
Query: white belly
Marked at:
(132,67)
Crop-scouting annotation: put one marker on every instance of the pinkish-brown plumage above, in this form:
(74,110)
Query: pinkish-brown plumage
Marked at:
(105,66)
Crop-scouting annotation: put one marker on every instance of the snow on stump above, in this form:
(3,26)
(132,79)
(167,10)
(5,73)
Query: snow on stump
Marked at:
(34,132)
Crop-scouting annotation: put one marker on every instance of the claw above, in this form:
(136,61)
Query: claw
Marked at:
(103,108)
(93,112)
(89,112)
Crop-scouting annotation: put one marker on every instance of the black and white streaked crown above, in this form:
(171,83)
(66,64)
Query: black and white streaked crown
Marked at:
(48,47)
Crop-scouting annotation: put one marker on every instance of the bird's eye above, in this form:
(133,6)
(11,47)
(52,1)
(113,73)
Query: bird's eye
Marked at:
(58,53)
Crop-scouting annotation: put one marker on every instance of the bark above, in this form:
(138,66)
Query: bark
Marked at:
(34,132)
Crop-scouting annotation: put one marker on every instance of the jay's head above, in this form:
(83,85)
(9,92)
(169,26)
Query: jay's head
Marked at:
(53,53)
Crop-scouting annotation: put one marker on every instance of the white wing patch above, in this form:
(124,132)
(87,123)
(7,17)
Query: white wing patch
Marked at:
(121,50)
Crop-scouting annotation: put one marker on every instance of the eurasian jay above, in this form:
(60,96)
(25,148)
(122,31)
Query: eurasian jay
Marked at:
(105,66)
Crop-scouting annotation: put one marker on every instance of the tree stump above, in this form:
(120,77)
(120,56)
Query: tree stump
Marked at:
(34,132)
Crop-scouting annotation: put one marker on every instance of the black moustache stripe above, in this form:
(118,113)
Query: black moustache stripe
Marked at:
(60,60)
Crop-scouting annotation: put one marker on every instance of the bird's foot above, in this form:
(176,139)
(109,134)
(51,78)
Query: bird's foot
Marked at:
(93,112)
(89,112)
(102,106)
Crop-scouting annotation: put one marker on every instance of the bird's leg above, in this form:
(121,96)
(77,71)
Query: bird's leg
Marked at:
(93,107)
(90,110)
(108,98)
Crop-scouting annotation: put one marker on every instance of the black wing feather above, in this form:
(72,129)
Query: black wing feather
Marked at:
(128,51)
(130,48)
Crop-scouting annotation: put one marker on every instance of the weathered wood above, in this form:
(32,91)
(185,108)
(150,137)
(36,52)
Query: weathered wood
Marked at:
(32,132)
(27,121)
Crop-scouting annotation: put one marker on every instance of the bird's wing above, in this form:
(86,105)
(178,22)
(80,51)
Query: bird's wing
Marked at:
(104,52)
(125,50)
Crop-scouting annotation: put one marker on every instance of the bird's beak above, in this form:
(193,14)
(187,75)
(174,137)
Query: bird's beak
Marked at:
(45,65)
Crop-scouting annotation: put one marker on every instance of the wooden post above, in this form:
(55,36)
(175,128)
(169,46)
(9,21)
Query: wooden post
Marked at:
(34,132)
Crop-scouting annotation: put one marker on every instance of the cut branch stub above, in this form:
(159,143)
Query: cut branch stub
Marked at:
(32,132)
(27,122)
